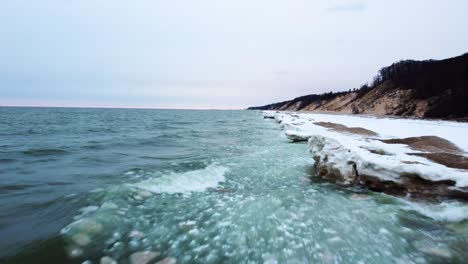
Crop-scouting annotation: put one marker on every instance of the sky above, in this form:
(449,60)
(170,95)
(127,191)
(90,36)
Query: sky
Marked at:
(204,54)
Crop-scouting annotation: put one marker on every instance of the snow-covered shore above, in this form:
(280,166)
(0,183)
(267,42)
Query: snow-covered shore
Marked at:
(361,150)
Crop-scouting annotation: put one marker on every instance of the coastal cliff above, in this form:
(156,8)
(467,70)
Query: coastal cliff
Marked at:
(427,89)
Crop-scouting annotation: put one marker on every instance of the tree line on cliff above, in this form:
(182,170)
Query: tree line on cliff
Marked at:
(444,82)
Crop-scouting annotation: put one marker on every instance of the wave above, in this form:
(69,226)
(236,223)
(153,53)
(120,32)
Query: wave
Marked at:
(93,147)
(156,158)
(15,187)
(186,182)
(7,160)
(165,139)
(44,152)
(445,211)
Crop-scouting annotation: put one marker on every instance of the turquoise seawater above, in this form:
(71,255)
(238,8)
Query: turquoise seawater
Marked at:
(197,186)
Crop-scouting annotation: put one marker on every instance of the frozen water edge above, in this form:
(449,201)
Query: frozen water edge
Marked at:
(369,155)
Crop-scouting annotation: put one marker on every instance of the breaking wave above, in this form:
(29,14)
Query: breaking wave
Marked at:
(186,182)
(445,211)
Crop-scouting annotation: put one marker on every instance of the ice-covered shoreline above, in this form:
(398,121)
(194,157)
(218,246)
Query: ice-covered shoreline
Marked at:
(351,150)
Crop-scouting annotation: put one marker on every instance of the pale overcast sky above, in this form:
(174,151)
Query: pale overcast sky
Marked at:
(211,53)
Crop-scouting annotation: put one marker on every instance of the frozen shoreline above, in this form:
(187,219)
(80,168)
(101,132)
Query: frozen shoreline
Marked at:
(350,149)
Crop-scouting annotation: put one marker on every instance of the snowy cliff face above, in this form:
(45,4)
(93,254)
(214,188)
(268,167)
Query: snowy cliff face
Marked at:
(384,99)
(432,89)
(388,155)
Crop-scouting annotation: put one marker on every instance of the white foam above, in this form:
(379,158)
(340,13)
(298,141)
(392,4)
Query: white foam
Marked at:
(187,182)
(445,211)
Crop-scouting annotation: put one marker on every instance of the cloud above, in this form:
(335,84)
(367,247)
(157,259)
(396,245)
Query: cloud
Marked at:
(348,7)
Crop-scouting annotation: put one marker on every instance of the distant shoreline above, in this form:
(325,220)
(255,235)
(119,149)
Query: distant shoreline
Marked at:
(422,89)
(461,120)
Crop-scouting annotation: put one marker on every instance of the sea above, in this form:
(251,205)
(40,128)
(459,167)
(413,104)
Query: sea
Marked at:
(81,185)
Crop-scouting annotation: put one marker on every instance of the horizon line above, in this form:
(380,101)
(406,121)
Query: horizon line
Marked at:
(122,107)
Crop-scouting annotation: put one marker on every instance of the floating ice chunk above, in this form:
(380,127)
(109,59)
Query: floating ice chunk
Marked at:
(136,234)
(334,239)
(329,231)
(143,257)
(194,232)
(81,239)
(107,260)
(383,231)
(134,244)
(144,194)
(187,224)
(117,247)
(434,250)
(82,231)
(359,197)
(87,226)
(109,205)
(269,259)
(75,252)
(88,209)
(167,260)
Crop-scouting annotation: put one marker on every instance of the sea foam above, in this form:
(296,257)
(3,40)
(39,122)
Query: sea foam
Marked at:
(186,182)
(446,211)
